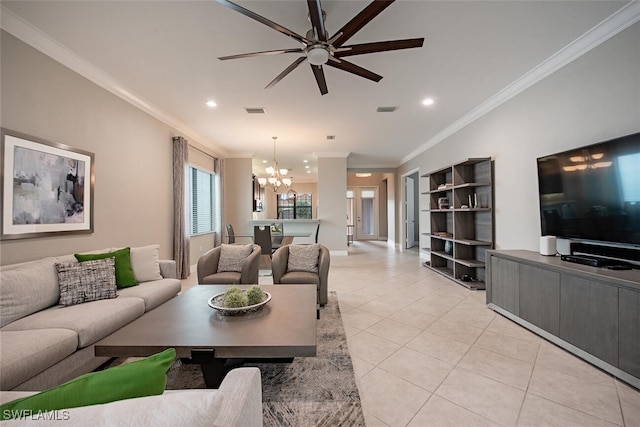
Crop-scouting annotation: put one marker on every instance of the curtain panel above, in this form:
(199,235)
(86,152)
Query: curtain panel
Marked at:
(181,206)
(219,164)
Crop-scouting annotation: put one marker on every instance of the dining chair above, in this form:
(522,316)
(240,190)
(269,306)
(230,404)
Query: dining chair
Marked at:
(276,242)
(262,237)
(231,235)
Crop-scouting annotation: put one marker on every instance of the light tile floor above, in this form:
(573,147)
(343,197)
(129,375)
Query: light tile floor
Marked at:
(427,352)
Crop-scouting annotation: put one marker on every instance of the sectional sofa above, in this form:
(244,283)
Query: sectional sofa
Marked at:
(43,344)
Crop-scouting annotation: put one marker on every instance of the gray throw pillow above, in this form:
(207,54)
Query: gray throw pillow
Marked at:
(232,257)
(86,281)
(303,258)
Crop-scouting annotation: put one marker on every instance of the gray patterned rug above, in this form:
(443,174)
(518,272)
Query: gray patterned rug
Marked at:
(310,391)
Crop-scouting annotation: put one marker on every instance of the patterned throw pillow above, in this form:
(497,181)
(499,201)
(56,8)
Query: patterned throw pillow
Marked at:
(303,258)
(86,281)
(232,257)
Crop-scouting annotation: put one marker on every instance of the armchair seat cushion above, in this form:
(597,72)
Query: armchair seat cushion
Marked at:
(301,277)
(223,278)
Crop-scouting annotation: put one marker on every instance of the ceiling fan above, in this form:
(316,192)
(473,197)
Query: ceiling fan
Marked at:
(320,49)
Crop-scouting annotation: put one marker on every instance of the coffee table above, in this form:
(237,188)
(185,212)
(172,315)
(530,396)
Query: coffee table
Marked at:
(284,328)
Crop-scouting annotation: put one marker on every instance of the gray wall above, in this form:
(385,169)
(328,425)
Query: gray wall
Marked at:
(133,202)
(594,98)
(238,196)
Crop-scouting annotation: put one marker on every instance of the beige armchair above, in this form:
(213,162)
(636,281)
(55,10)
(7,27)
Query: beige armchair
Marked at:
(239,265)
(279,263)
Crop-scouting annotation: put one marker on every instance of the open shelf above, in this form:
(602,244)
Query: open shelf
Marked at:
(467,218)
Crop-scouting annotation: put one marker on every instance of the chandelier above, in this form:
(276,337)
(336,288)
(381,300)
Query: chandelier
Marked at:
(276,176)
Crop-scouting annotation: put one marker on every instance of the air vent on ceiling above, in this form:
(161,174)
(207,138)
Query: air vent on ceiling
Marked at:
(331,137)
(386,109)
(258,110)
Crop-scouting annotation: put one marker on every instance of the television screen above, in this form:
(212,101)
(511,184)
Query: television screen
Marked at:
(593,192)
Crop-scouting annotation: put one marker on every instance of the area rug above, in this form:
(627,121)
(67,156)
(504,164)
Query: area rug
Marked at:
(310,391)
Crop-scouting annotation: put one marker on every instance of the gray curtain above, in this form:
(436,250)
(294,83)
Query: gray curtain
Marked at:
(181,206)
(219,164)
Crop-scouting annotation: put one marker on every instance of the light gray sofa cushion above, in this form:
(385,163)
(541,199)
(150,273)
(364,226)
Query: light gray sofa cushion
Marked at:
(145,261)
(153,293)
(92,321)
(26,288)
(25,352)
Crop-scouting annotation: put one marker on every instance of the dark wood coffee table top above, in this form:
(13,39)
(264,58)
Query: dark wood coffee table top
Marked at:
(285,327)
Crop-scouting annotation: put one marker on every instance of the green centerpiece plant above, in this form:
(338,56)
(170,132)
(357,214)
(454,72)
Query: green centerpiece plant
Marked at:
(235,298)
(255,295)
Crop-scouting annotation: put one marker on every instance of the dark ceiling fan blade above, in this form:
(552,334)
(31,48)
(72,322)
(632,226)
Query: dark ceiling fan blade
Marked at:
(360,20)
(289,69)
(315,14)
(264,53)
(319,74)
(355,69)
(359,49)
(265,21)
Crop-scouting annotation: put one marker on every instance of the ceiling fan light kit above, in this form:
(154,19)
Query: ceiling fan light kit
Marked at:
(317,55)
(318,49)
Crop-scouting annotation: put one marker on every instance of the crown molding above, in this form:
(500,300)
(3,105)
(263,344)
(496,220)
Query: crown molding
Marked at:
(621,19)
(24,31)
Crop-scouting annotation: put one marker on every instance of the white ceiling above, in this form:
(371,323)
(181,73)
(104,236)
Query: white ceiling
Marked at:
(162,55)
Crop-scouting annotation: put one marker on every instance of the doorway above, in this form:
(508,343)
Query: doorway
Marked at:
(362,212)
(412,210)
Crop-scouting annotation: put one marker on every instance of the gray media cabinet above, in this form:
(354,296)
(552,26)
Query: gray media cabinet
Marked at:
(589,311)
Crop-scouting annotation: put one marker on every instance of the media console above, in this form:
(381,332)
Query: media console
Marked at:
(590,311)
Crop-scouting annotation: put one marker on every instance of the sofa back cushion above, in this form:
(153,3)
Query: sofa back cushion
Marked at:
(26,288)
(145,261)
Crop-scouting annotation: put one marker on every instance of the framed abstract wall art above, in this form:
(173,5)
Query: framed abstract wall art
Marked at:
(47,188)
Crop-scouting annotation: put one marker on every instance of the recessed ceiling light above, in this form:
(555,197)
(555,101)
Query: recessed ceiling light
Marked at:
(264,161)
(308,171)
(428,101)
(363,174)
(306,166)
(210,103)
(305,161)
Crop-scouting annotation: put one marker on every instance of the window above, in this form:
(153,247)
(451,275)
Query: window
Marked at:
(202,197)
(296,206)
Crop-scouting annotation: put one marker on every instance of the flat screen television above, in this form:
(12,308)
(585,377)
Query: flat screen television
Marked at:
(592,193)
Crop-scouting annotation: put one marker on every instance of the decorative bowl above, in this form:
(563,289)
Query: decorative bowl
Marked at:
(217,303)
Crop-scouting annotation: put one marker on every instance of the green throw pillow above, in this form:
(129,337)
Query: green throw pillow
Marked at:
(146,377)
(124,271)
